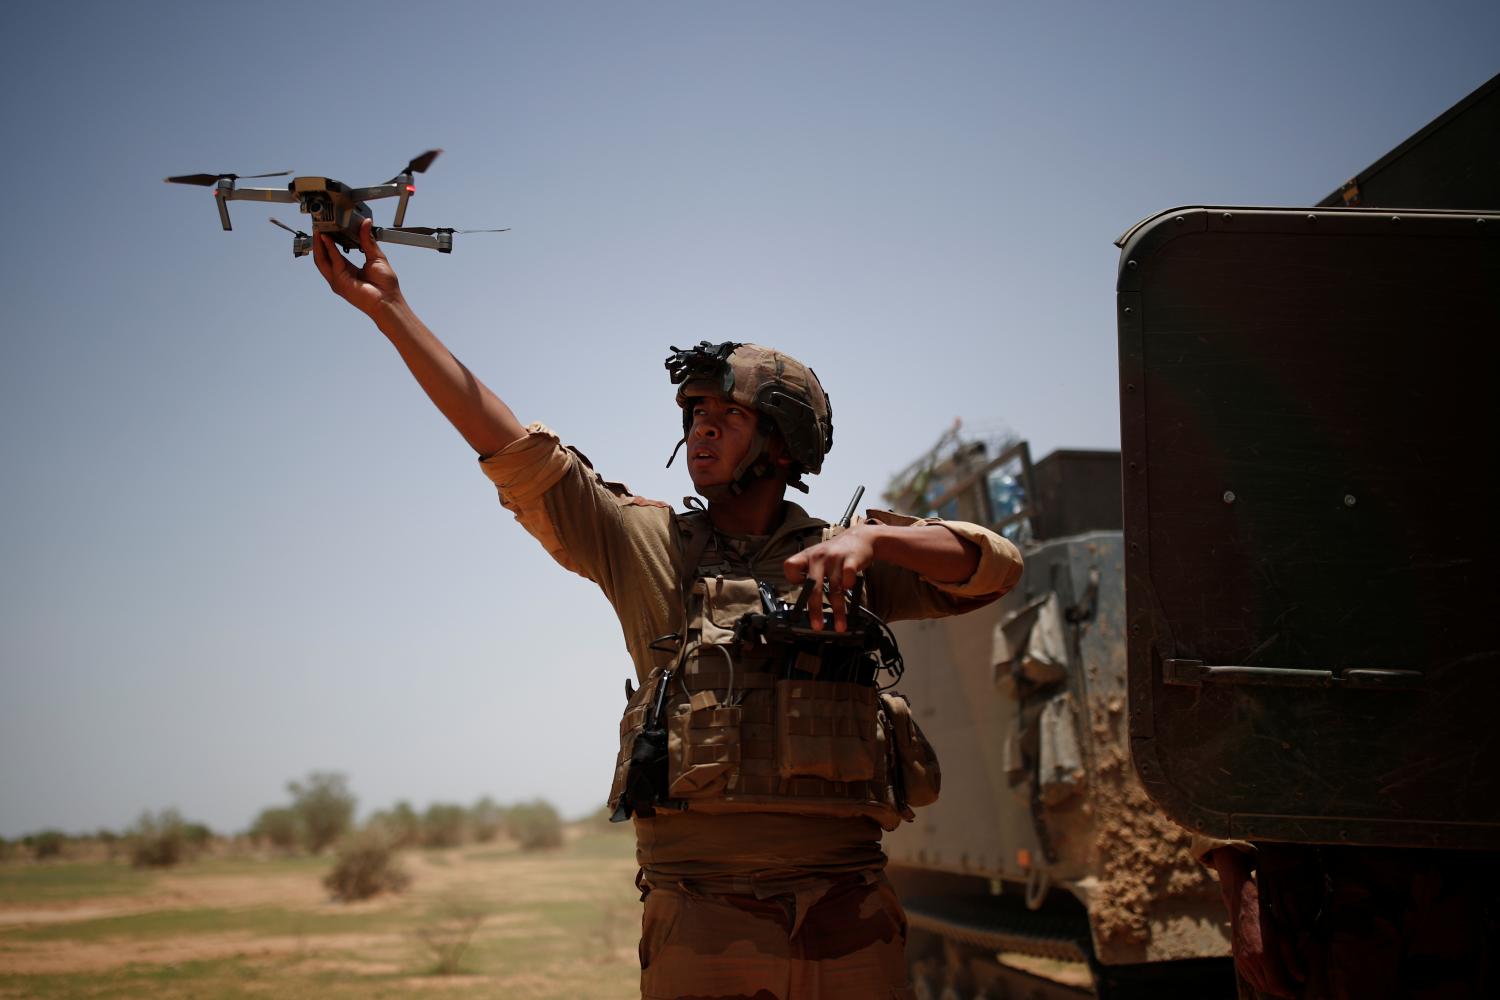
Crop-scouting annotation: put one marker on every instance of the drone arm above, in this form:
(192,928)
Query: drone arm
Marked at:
(388,190)
(261,194)
(441,242)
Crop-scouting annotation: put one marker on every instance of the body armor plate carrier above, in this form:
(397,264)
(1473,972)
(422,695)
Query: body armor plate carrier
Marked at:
(757,713)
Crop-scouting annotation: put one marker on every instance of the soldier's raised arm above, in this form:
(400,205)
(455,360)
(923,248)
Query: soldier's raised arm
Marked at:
(478,414)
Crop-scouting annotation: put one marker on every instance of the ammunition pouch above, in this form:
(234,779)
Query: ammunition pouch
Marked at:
(918,778)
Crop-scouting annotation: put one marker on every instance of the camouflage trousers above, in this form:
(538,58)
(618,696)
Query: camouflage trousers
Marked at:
(844,941)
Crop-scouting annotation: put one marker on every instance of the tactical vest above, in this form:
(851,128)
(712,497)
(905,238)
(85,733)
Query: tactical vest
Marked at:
(757,726)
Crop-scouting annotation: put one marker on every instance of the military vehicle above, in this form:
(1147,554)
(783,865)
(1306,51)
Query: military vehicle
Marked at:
(1043,870)
(1308,425)
(1306,553)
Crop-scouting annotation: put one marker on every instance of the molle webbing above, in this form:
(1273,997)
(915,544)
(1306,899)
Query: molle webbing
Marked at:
(749,727)
(719,680)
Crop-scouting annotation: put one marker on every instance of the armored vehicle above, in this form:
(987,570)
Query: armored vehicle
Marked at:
(1043,870)
(1297,573)
(1308,424)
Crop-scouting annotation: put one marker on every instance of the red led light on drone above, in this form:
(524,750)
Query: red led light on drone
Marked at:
(411,189)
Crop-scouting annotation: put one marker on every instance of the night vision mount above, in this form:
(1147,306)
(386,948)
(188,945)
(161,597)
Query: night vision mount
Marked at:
(709,362)
(336,208)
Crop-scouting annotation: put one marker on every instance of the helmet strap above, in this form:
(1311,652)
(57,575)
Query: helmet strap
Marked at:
(673,457)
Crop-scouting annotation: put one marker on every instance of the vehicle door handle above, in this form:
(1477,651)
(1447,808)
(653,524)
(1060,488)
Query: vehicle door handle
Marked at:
(1193,673)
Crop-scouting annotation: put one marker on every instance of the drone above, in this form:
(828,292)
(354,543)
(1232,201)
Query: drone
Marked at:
(336,208)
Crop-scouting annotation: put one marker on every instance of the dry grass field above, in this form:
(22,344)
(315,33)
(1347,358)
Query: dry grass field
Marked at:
(559,923)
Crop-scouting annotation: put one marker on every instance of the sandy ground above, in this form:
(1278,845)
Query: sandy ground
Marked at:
(518,879)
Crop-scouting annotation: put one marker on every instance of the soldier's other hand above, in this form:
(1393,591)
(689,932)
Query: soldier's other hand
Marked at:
(1262,955)
(835,564)
(367,288)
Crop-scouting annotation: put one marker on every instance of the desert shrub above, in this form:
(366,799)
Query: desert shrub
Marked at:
(198,835)
(534,825)
(366,864)
(598,822)
(324,807)
(7,849)
(159,840)
(443,825)
(446,933)
(45,844)
(402,825)
(486,820)
(278,827)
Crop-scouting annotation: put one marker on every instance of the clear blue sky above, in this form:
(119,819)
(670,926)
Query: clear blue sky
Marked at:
(237,543)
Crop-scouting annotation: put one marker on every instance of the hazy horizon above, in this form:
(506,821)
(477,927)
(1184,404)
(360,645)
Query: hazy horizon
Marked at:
(239,544)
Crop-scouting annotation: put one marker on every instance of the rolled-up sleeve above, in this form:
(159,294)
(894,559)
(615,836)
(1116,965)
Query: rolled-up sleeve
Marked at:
(999,566)
(902,594)
(527,473)
(527,467)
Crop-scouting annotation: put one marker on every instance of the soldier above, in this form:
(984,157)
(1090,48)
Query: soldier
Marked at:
(1341,922)
(758,761)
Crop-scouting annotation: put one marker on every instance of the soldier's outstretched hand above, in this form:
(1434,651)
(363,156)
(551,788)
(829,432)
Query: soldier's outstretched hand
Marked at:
(834,564)
(366,288)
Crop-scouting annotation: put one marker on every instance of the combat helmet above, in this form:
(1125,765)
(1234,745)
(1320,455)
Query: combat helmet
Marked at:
(784,392)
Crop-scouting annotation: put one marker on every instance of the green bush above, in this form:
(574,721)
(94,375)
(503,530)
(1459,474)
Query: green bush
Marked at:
(278,827)
(324,807)
(486,820)
(45,844)
(198,835)
(365,865)
(598,822)
(158,841)
(534,825)
(401,824)
(109,840)
(443,825)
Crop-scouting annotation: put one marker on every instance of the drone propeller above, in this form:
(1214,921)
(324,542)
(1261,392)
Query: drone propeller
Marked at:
(208,180)
(419,164)
(434,230)
(301,242)
(416,166)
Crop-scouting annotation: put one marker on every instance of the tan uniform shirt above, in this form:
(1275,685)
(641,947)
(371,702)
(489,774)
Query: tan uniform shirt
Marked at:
(628,545)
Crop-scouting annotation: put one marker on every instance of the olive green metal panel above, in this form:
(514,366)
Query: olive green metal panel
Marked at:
(1454,162)
(1309,438)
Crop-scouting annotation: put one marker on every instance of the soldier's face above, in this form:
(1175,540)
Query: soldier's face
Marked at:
(719,437)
